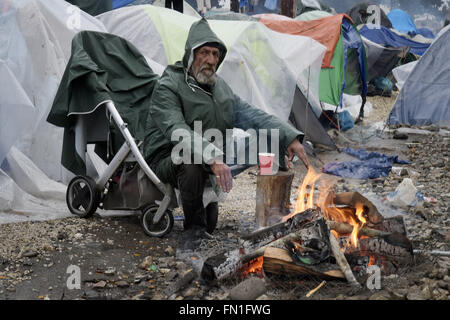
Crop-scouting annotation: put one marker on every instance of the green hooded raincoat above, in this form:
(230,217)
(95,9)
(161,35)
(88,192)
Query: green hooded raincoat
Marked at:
(177,101)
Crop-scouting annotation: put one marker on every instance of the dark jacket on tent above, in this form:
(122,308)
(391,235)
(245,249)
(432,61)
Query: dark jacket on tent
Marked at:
(102,67)
(93,7)
(178,101)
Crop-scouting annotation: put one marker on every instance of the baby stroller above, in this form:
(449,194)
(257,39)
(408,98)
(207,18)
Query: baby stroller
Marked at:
(103,100)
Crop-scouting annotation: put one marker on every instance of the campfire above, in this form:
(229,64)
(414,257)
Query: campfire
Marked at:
(328,235)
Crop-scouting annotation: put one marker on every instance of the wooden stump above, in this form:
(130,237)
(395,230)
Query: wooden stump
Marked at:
(273,197)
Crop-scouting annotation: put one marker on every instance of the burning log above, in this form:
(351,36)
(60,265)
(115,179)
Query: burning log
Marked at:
(342,261)
(279,261)
(269,234)
(389,248)
(353,198)
(225,264)
(309,231)
(272,197)
(344,228)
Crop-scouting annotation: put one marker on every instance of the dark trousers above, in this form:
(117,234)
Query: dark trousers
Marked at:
(177,5)
(191,180)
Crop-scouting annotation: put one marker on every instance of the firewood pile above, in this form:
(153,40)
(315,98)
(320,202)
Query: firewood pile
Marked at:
(335,237)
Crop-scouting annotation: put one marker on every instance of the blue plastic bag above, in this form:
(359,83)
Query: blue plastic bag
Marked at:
(345,120)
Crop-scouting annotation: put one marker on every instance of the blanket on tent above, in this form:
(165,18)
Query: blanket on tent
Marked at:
(369,166)
(326,30)
(386,37)
(102,67)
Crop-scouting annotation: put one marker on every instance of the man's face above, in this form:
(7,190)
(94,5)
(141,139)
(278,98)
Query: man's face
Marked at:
(204,65)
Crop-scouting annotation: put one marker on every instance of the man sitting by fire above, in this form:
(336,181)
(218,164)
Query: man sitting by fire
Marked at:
(191,91)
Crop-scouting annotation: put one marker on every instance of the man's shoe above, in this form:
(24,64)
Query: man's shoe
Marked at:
(191,238)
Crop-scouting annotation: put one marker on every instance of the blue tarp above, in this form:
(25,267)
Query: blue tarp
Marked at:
(427,33)
(121,3)
(369,166)
(402,22)
(386,37)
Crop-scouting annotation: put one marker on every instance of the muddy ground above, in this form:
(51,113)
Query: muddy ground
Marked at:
(116,260)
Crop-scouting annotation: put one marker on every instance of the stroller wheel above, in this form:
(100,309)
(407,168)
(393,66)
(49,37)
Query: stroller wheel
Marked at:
(163,227)
(82,196)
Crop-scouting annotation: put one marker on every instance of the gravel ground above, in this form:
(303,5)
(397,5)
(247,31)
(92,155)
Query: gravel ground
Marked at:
(118,261)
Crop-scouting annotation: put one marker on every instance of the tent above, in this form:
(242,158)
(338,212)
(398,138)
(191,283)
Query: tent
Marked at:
(380,59)
(312,15)
(261,66)
(35,41)
(402,22)
(312,5)
(360,15)
(344,67)
(425,96)
(387,37)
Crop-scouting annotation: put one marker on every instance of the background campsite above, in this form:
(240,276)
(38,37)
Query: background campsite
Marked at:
(348,81)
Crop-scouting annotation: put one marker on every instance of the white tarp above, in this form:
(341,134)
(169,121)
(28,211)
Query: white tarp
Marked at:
(402,72)
(35,45)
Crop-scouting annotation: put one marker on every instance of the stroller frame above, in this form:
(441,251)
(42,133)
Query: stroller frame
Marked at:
(94,191)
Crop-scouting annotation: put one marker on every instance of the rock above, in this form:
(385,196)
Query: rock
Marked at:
(400,135)
(78,236)
(110,271)
(48,247)
(147,263)
(426,293)
(164,271)
(62,235)
(399,294)
(414,293)
(122,284)
(29,254)
(99,285)
(191,292)
(248,289)
(379,296)
(169,251)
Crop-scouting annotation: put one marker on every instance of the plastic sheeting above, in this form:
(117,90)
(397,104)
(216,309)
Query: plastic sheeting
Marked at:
(425,96)
(386,37)
(380,59)
(35,44)
(402,72)
(261,66)
(402,22)
(369,166)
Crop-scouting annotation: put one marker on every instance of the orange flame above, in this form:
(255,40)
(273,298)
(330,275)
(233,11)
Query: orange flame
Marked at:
(305,200)
(254,266)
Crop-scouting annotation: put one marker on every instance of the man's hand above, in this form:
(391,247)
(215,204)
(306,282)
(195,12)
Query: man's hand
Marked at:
(295,147)
(223,175)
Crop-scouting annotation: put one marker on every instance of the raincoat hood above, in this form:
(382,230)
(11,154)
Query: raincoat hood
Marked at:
(199,34)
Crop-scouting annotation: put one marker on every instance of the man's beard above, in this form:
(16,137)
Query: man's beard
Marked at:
(205,74)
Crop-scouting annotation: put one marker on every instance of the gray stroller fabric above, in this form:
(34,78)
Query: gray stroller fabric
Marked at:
(425,97)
